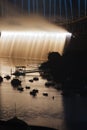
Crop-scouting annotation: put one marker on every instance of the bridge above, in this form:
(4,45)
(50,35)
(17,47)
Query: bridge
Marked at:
(71,14)
(24,72)
(32,71)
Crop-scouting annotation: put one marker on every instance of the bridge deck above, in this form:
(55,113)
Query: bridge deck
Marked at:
(32,71)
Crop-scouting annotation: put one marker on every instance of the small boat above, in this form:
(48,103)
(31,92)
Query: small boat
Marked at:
(20,88)
(15,82)
(36,78)
(7,77)
(31,80)
(34,92)
(27,87)
(18,73)
(45,94)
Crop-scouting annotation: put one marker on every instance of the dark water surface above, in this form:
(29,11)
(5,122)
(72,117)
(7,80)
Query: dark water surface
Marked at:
(39,110)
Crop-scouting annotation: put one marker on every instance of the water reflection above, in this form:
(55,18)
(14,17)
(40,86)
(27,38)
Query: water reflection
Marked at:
(39,110)
(64,113)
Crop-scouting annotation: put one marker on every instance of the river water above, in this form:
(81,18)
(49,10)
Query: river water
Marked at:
(39,110)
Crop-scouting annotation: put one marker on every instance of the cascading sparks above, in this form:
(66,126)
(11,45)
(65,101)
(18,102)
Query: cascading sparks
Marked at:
(31,44)
(30,37)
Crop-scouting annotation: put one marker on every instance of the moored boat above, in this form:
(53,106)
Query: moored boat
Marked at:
(45,94)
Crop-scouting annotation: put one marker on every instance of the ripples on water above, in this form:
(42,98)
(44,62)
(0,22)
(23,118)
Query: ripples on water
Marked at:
(39,110)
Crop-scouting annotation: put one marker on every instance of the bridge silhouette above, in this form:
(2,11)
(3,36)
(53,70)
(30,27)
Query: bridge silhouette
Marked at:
(23,72)
(69,14)
(32,71)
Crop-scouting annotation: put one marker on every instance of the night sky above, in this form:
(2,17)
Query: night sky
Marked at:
(63,8)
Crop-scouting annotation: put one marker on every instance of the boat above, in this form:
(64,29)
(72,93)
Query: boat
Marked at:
(31,80)
(36,78)
(27,87)
(7,77)
(19,71)
(20,88)
(45,94)
(15,82)
(34,92)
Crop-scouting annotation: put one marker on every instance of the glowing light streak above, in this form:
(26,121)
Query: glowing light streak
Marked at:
(31,44)
(55,44)
(29,6)
(2,8)
(65,8)
(33,6)
(12,46)
(49,9)
(32,33)
(71,8)
(60,1)
(37,6)
(44,48)
(54,9)
(44,7)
